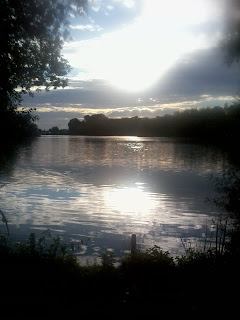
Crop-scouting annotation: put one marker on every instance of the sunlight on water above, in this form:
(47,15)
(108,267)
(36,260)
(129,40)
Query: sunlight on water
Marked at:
(97,191)
(129,200)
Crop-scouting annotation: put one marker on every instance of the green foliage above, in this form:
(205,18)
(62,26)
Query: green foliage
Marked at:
(32,34)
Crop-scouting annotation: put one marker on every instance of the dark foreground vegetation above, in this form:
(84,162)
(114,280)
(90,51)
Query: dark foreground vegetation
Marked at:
(16,127)
(202,282)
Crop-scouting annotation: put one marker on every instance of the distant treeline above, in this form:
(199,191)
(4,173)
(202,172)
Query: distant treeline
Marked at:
(55,131)
(211,124)
(217,123)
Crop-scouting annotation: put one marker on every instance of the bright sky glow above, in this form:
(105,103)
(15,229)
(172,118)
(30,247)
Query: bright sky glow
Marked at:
(143,58)
(136,56)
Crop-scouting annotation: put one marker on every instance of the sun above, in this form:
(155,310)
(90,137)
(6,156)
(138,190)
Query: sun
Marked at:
(129,59)
(139,54)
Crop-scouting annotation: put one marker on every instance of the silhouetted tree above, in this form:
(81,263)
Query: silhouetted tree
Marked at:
(74,126)
(32,33)
(231,41)
(95,117)
(54,130)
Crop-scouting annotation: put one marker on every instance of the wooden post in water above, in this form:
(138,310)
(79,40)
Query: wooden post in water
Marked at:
(133,243)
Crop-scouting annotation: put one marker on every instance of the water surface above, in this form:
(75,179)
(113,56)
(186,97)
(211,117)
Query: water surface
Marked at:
(97,191)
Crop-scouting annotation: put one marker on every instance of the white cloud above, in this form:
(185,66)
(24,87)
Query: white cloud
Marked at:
(126,3)
(136,56)
(110,8)
(89,27)
(96,8)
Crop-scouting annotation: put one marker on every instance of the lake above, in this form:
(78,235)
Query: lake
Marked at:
(98,191)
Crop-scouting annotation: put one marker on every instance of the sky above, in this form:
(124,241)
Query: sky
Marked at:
(143,58)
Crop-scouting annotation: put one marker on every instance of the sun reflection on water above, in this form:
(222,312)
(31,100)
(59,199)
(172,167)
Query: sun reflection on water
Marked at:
(134,200)
(106,188)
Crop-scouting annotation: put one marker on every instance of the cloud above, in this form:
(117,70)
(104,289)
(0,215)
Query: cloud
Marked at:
(199,79)
(126,3)
(200,73)
(150,43)
(105,16)
(167,55)
(89,27)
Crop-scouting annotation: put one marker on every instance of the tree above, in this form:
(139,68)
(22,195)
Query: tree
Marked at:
(32,33)
(231,41)
(228,188)
(74,125)
(54,130)
(228,200)
(95,117)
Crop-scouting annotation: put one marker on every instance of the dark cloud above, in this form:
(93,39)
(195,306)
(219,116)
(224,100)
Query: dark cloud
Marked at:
(202,72)
(94,94)
(192,80)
